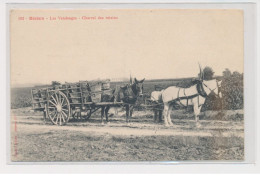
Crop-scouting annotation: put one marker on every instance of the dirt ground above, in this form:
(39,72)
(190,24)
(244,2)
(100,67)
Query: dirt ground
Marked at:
(141,140)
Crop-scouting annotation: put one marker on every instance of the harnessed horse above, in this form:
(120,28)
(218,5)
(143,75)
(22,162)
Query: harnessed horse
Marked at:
(195,95)
(127,94)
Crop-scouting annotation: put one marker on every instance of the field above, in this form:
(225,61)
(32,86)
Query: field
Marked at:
(142,140)
(220,137)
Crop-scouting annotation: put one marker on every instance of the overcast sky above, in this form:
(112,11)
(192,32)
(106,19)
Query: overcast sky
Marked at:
(149,44)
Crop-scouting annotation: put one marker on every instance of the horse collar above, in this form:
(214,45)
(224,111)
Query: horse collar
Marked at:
(201,90)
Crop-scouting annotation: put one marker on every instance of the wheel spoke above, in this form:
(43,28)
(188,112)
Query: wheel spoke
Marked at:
(52,103)
(65,110)
(57,98)
(54,116)
(64,114)
(62,117)
(52,112)
(62,102)
(54,100)
(57,118)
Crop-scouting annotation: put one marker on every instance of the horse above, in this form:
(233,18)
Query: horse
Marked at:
(194,95)
(127,95)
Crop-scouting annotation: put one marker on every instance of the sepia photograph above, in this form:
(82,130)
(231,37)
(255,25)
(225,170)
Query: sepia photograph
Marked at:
(126,85)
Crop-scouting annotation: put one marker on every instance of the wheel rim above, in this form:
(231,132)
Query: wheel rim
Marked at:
(58,108)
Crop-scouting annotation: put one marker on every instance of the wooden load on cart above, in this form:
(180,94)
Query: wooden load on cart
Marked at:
(79,99)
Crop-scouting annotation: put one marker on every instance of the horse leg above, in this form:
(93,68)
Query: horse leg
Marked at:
(106,113)
(127,113)
(155,115)
(166,111)
(102,114)
(196,113)
(169,116)
(160,116)
(131,111)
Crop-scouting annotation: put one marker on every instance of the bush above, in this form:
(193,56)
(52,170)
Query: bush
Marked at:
(232,93)
(232,90)
(213,103)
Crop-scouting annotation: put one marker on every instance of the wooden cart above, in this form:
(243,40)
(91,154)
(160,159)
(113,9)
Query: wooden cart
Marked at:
(77,100)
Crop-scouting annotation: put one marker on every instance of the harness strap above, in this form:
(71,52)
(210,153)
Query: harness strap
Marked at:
(189,97)
(185,97)
(179,98)
(187,101)
(211,90)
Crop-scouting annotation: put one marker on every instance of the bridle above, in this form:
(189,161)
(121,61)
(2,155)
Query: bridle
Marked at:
(212,90)
(201,78)
(135,89)
(140,90)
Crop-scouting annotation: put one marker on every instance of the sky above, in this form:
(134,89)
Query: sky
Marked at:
(151,44)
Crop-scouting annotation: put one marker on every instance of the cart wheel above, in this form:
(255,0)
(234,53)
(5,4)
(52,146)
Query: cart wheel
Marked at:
(58,108)
(81,114)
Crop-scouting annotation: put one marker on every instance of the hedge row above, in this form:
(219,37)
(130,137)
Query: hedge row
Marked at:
(232,93)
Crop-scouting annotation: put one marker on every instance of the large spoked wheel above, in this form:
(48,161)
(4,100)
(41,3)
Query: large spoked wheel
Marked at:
(81,114)
(58,108)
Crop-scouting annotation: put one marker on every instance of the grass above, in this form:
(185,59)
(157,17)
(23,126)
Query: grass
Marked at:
(42,142)
(21,97)
(71,146)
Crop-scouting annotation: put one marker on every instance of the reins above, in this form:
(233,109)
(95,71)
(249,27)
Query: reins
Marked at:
(200,92)
(213,90)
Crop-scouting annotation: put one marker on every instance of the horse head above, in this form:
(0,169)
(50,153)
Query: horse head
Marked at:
(210,86)
(138,87)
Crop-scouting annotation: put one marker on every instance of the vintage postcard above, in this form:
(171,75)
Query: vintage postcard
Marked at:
(126,85)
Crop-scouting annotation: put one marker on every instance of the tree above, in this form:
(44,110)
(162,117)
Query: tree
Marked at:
(227,73)
(232,88)
(208,73)
(237,74)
